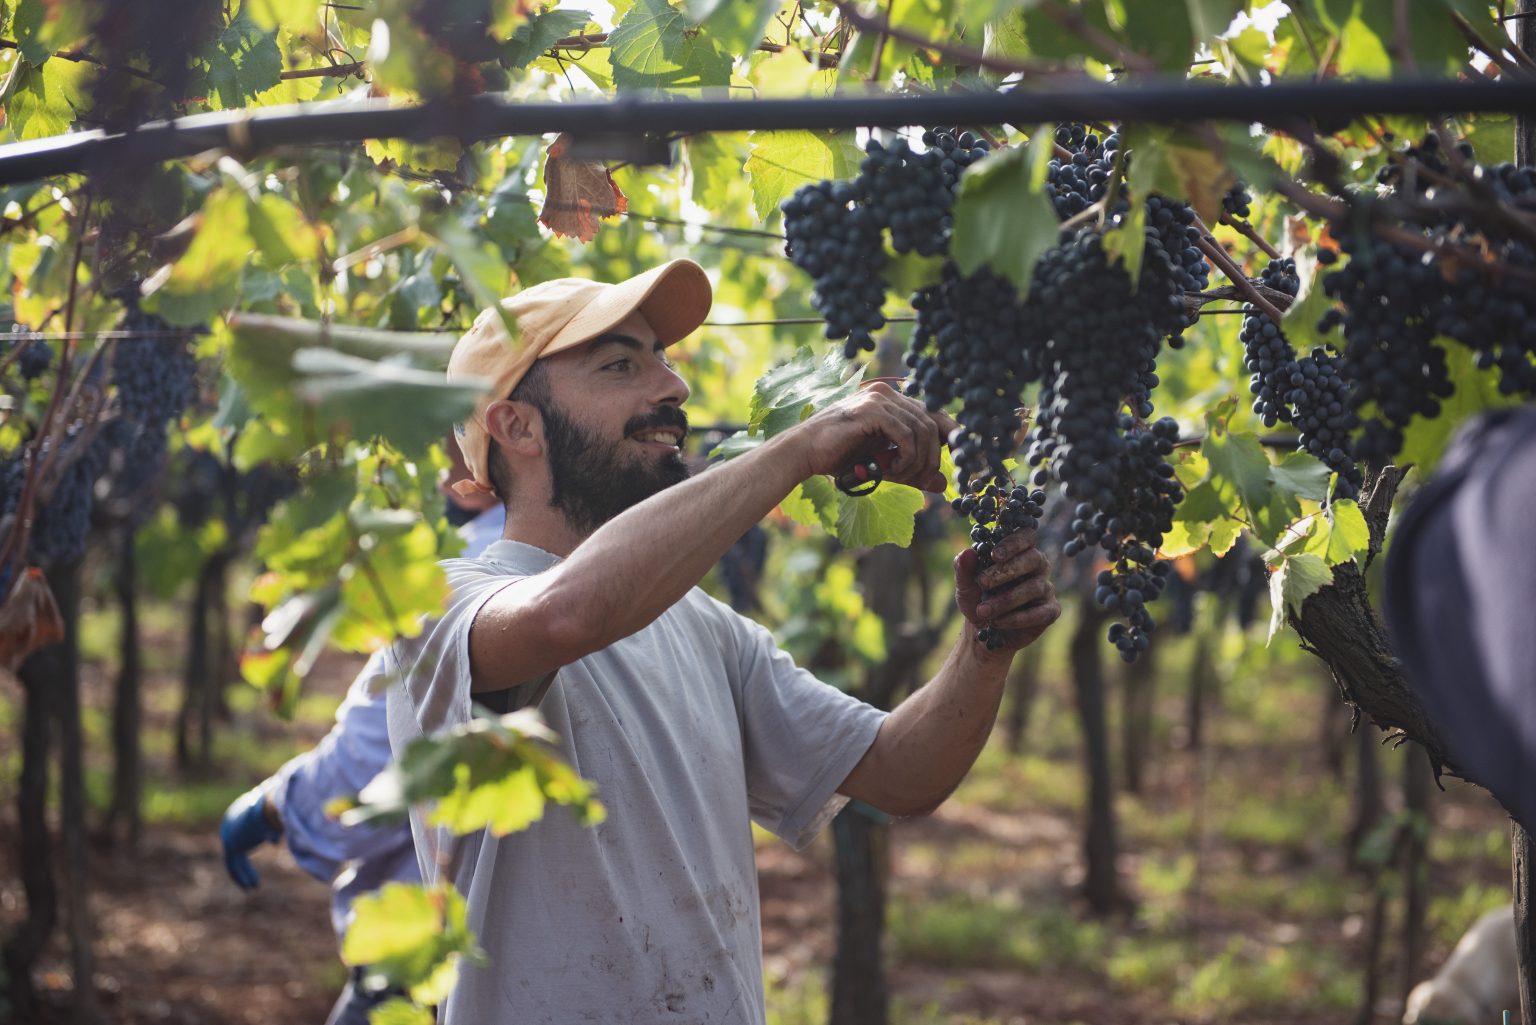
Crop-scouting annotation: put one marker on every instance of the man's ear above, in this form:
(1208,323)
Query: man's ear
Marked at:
(516,426)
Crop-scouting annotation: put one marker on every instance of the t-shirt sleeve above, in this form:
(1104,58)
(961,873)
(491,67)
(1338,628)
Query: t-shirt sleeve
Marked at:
(801,738)
(434,667)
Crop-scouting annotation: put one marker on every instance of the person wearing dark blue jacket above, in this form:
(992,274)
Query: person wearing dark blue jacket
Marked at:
(1460,603)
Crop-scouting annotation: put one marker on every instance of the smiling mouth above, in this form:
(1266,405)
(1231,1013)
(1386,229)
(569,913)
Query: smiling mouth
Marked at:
(668,437)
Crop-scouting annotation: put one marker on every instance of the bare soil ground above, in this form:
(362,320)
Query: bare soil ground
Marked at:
(1245,912)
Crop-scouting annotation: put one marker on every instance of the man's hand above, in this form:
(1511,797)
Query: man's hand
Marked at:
(1013,596)
(247,825)
(864,425)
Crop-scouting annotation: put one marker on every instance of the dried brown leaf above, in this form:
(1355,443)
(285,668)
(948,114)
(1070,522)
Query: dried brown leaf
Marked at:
(577,192)
(29,619)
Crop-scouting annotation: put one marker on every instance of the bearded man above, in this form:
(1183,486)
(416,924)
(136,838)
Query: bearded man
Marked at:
(690,720)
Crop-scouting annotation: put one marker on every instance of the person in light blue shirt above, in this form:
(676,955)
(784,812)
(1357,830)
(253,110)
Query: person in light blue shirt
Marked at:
(290,805)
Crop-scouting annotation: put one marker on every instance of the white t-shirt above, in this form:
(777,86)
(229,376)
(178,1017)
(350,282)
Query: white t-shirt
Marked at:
(691,728)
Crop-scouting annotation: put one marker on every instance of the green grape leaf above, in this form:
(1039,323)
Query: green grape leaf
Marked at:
(280,232)
(815,503)
(1029,31)
(793,391)
(1302,475)
(906,273)
(1127,244)
(244,61)
(1210,18)
(400,1011)
(205,280)
(441,154)
(1162,33)
(1362,51)
(43,26)
(43,100)
(492,772)
(1204,503)
(1492,136)
(736,27)
(1000,221)
(480,267)
(883,517)
(531,38)
(1207,516)
(405,932)
(1292,580)
(363,398)
(1338,534)
(278,14)
(1246,54)
(1425,440)
(1238,460)
(781,162)
(715,165)
(652,47)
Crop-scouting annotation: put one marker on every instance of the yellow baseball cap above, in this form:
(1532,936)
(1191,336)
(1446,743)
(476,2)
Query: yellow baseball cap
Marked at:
(558,315)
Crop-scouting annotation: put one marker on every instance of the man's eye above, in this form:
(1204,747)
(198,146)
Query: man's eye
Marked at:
(620,364)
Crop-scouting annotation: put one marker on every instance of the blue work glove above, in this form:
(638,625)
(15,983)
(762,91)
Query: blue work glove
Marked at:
(245,827)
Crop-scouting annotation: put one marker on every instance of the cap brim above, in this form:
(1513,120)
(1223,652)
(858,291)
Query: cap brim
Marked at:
(673,298)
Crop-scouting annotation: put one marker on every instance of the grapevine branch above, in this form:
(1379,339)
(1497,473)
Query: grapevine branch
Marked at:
(1520,67)
(81,57)
(962,55)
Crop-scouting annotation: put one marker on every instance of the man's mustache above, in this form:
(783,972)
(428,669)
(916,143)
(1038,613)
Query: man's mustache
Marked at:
(662,416)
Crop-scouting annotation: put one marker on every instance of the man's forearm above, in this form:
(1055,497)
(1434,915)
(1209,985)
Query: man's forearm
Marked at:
(927,745)
(641,562)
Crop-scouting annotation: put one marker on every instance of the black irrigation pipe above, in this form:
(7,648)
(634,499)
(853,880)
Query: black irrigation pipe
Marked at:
(485,117)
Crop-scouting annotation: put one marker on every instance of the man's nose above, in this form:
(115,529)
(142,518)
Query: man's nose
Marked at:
(669,388)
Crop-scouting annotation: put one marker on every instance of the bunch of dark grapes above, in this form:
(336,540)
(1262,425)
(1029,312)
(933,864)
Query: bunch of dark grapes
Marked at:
(156,377)
(34,359)
(1099,367)
(1237,202)
(839,246)
(1092,340)
(1309,392)
(1082,179)
(974,341)
(60,524)
(1174,224)
(1399,297)
(997,507)
(835,231)
(154,369)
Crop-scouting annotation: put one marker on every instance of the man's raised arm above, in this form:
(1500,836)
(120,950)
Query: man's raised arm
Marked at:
(644,560)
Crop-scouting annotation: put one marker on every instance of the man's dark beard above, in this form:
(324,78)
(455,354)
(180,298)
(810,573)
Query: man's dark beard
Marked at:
(592,479)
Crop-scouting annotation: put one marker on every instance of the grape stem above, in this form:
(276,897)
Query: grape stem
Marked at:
(1217,255)
(1246,230)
